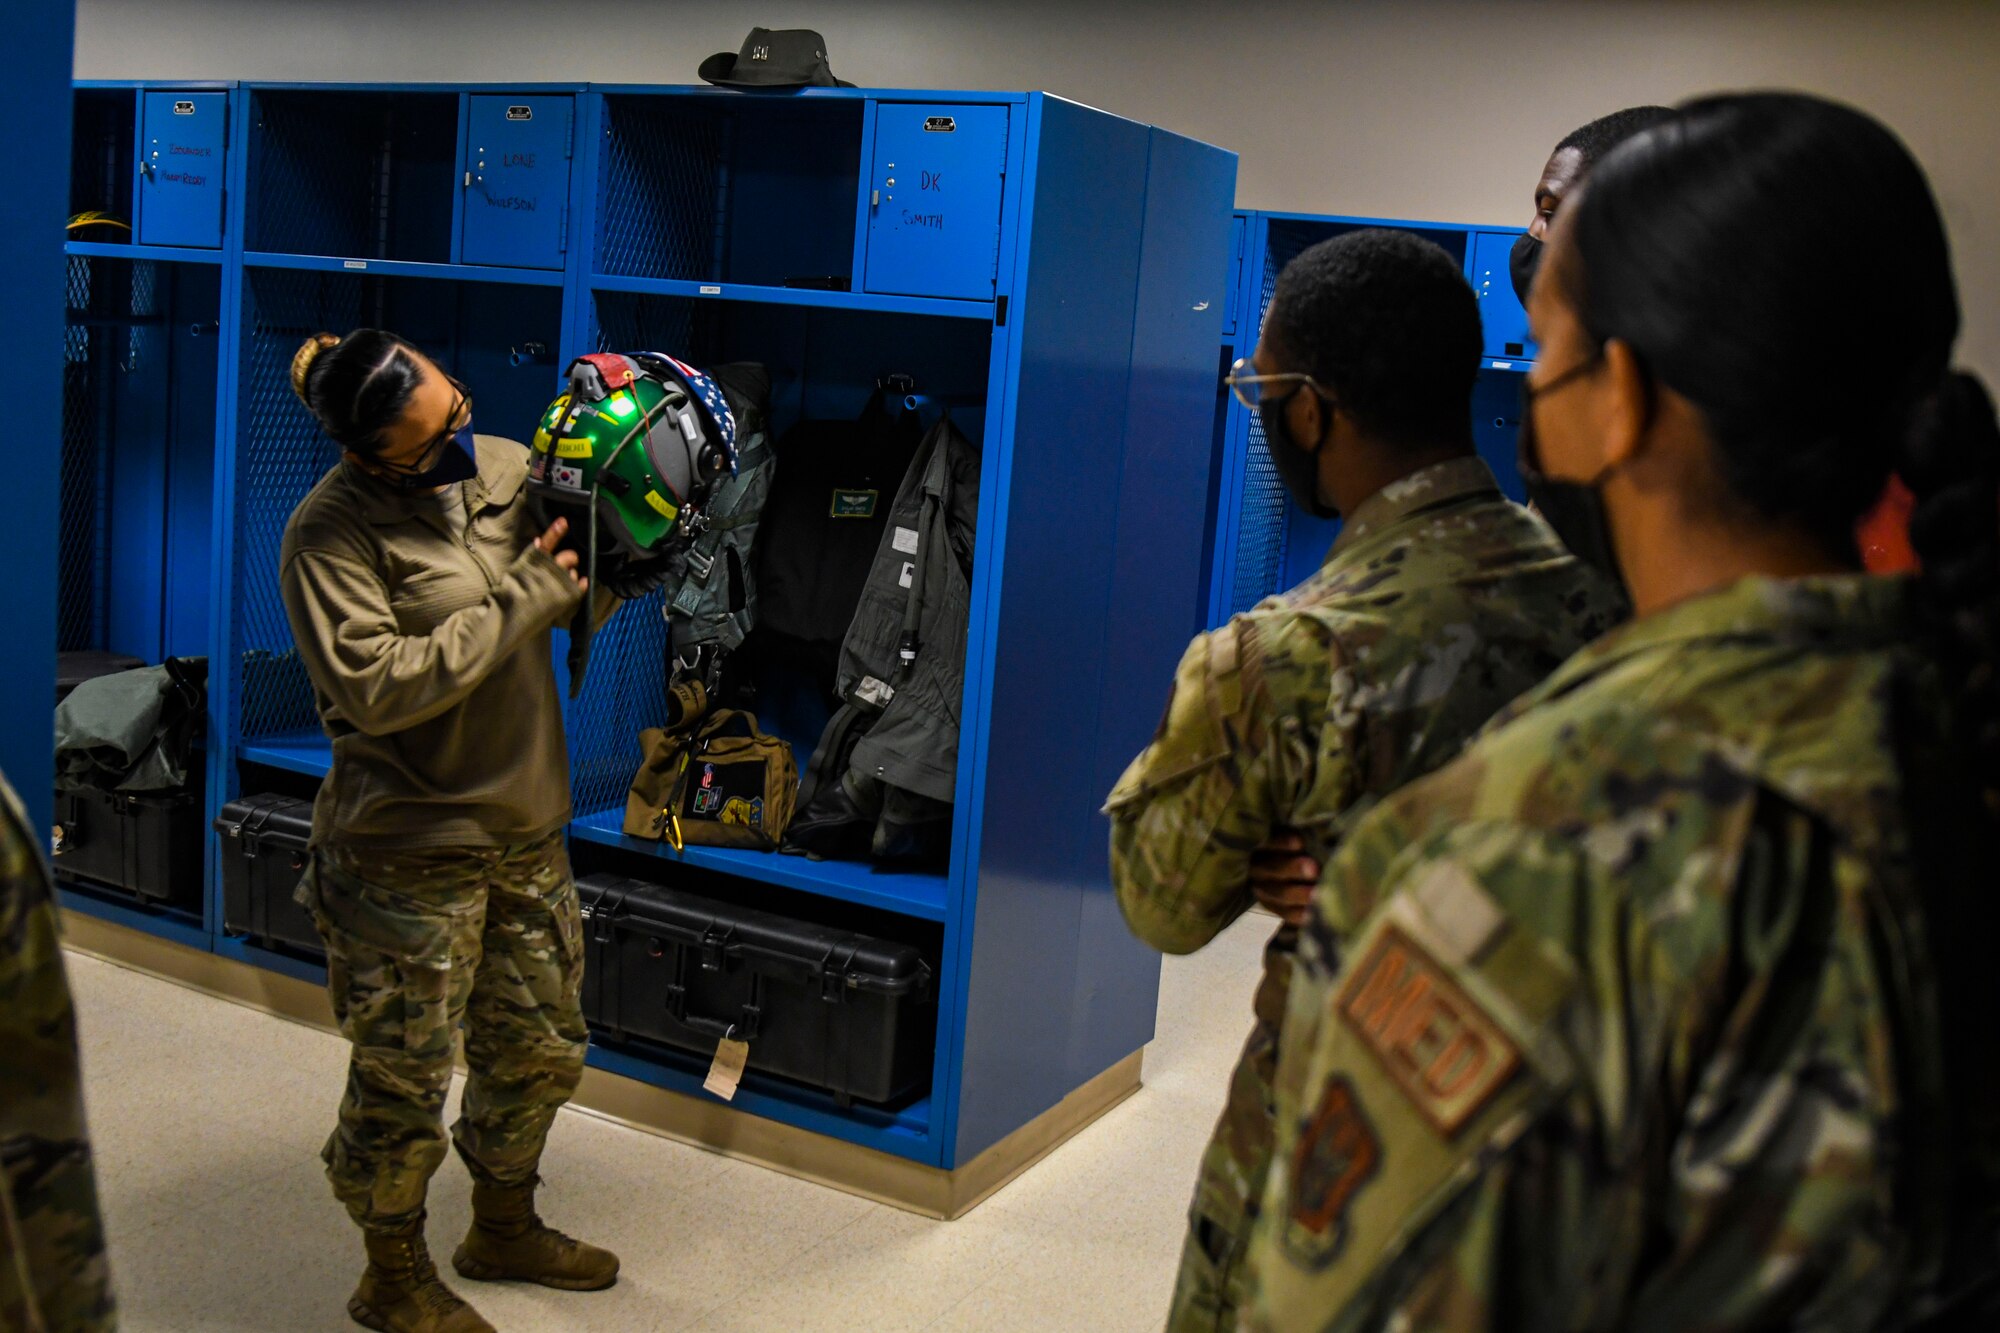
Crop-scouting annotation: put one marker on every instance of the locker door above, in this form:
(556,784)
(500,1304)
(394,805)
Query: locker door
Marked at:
(180,169)
(516,180)
(934,200)
(1237,236)
(1500,312)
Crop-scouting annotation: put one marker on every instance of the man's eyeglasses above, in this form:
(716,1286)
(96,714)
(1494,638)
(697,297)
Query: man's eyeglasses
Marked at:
(1249,386)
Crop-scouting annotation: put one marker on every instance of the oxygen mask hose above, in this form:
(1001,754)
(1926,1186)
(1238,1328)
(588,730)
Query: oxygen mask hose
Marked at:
(583,626)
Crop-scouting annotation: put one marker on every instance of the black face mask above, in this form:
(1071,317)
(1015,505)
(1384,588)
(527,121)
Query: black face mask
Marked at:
(1575,509)
(453,461)
(1297,466)
(1523,262)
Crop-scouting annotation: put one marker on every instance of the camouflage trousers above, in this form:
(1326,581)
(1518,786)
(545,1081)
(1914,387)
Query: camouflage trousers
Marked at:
(420,943)
(53,1273)
(1208,1292)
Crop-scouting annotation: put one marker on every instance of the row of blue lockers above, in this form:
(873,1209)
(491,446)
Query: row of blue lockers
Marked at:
(903,199)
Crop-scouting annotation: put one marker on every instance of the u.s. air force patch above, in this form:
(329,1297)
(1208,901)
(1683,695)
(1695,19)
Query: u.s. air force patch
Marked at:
(1338,1153)
(1439,1046)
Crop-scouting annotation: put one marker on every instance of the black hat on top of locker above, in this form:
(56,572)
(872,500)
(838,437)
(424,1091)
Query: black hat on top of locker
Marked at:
(784,58)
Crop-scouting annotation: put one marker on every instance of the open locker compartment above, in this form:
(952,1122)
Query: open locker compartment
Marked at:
(371,174)
(104,124)
(139,397)
(825,365)
(705,187)
(136,479)
(493,337)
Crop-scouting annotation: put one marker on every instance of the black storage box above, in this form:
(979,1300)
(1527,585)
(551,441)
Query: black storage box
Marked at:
(263,855)
(147,845)
(72,669)
(824,1006)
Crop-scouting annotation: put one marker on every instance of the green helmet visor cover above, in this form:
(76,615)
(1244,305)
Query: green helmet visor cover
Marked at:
(632,435)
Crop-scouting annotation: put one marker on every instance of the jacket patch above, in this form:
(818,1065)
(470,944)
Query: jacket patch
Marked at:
(1338,1153)
(1444,1051)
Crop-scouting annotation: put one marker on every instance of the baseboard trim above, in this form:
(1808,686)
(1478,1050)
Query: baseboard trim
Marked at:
(883,1177)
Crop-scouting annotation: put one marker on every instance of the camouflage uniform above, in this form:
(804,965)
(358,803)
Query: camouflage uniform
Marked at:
(1625,1019)
(1440,602)
(53,1273)
(418,942)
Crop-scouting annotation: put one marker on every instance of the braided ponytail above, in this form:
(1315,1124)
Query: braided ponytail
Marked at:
(1951,463)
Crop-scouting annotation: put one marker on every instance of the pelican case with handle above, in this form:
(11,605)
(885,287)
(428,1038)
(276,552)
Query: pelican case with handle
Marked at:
(263,857)
(844,1012)
(143,844)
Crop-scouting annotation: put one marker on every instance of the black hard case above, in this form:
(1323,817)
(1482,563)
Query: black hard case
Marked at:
(264,842)
(827,1007)
(145,845)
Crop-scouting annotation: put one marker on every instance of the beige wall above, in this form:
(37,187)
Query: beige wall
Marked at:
(1420,109)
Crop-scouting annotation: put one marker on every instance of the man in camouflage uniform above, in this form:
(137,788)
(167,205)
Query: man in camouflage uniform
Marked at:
(1622,1019)
(1440,602)
(53,1274)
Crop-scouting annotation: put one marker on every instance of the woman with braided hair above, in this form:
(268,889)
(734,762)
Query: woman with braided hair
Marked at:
(1659,1008)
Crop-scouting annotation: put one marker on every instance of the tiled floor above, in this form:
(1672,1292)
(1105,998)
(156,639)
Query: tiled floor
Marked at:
(208,1119)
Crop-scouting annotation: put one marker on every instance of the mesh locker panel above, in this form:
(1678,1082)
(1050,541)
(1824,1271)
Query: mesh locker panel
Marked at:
(282,455)
(1260,533)
(80,532)
(663,206)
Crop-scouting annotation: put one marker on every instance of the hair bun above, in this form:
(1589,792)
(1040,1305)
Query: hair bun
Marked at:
(302,361)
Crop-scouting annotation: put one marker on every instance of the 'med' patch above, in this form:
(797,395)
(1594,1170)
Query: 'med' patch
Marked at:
(1337,1154)
(1439,1046)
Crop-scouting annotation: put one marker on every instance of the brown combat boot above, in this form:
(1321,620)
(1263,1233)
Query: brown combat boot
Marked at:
(508,1241)
(400,1291)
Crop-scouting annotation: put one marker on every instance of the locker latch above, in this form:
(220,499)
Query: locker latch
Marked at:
(713,940)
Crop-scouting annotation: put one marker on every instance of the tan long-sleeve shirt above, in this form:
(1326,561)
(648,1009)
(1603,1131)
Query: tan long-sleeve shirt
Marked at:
(430,657)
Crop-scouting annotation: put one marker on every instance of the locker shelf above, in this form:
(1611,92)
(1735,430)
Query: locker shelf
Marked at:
(177,254)
(403,268)
(902,892)
(165,923)
(793,296)
(307,752)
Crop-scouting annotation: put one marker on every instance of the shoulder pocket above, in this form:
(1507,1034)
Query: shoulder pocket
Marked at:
(1435,1054)
(1194,733)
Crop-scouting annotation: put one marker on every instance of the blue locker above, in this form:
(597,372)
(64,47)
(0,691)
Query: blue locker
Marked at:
(1500,311)
(516,180)
(934,200)
(181,167)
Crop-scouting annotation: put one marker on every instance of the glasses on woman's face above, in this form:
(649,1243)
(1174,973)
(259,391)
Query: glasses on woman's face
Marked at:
(1249,385)
(461,412)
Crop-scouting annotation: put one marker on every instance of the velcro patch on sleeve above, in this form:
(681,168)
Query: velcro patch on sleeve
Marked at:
(1446,1053)
(1338,1153)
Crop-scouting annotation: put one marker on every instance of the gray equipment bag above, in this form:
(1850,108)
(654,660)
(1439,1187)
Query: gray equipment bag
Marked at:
(711,602)
(881,783)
